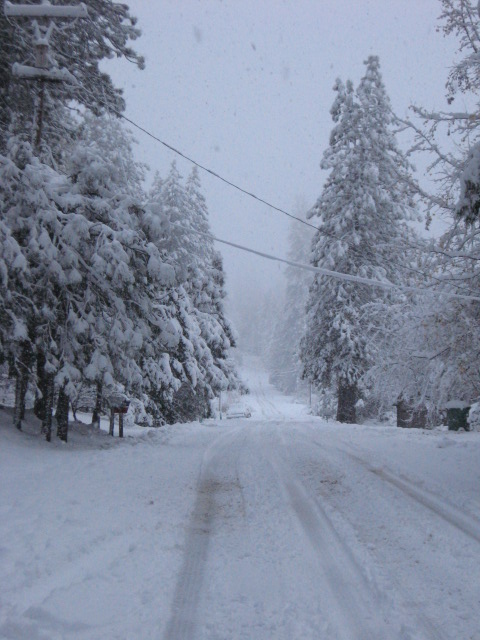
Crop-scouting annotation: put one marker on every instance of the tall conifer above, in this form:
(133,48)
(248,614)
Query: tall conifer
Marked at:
(362,215)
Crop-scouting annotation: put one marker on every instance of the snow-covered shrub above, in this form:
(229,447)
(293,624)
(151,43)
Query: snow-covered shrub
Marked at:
(325,405)
(474,417)
(137,414)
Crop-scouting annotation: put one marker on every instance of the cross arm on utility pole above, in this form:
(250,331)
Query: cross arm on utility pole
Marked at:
(37,73)
(45,10)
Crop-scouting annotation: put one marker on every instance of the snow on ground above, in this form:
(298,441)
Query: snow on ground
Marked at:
(277,526)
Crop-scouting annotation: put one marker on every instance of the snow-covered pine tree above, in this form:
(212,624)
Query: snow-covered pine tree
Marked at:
(197,212)
(17,309)
(75,251)
(113,315)
(110,28)
(207,291)
(45,275)
(170,224)
(204,351)
(284,363)
(179,240)
(115,143)
(133,327)
(362,215)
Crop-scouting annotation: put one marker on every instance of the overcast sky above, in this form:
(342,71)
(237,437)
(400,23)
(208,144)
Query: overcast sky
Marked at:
(245,87)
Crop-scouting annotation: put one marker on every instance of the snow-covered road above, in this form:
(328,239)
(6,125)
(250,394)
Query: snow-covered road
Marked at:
(277,567)
(278,526)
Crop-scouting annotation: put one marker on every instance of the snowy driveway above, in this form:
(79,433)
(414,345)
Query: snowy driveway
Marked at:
(261,528)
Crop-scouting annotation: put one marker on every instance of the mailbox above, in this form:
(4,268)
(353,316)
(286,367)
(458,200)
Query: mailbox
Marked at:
(119,403)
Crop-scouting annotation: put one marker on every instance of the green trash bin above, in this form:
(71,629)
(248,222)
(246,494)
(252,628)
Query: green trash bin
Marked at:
(457,415)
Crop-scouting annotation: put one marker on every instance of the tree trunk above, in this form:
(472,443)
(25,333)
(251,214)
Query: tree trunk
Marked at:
(23,393)
(347,399)
(40,396)
(22,371)
(98,405)
(112,423)
(17,411)
(49,381)
(404,414)
(61,414)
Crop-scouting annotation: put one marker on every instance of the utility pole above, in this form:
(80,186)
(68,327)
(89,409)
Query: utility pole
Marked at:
(43,24)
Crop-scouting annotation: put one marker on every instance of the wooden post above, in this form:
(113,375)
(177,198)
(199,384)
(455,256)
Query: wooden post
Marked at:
(39,117)
(120,425)
(112,422)
(43,16)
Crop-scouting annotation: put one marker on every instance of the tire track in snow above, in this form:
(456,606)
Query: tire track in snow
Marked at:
(466,524)
(182,624)
(268,409)
(355,606)
(424,625)
(270,589)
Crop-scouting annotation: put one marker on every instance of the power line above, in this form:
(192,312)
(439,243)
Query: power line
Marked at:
(326,272)
(244,191)
(214,173)
(334,274)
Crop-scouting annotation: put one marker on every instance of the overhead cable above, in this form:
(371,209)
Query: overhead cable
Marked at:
(211,172)
(384,284)
(235,186)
